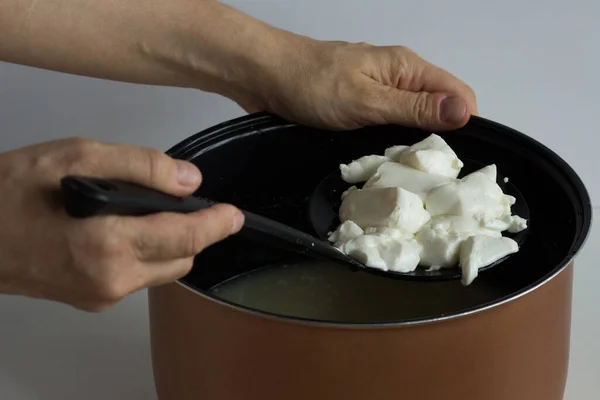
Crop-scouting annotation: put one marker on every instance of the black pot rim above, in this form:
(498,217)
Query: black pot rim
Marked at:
(186,149)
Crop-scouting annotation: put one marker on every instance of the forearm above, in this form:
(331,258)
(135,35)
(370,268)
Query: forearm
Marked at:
(189,43)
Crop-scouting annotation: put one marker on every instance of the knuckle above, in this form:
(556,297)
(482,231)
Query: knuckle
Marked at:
(143,244)
(93,239)
(83,147)
(110,292)
(405,50)
(83,155)
(369,95)
(105,281)
(370,105)
(96,241)
(342,56)
(103,263)
(420,109)
(112,286)
(362,44)
(107,245)
(41,162)
(194,241)
(184,266)
(187,265)
(403,57)
(155,161)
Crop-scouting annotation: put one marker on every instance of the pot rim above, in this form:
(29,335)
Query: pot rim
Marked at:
(181,150)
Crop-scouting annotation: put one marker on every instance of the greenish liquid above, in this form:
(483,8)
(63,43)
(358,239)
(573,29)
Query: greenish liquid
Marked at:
(331,292)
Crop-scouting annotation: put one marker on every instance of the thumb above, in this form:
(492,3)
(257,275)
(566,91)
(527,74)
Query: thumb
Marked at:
(431,111)
(144,166)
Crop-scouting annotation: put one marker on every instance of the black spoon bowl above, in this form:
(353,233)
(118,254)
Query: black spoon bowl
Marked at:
(325,202)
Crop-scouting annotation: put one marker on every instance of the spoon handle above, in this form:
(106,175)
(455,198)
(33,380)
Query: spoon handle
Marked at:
(88,197)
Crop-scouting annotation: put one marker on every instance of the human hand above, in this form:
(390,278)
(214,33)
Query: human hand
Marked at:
(340,85)
(93,263)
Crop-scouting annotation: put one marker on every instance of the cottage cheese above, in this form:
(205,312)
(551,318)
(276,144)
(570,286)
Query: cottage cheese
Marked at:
(413,210)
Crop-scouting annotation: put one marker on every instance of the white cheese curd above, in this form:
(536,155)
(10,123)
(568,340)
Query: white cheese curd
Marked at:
(346,231)
(362,169)
(490,171)
(432,155)
(391,207)
(394,233)
(517,224)
(391,174)
(413,211)
(442,237)
(511,223)
(480,250)
(439,249)
(474,195)
(383,252)
(348,191)
(393,153)
(459,225)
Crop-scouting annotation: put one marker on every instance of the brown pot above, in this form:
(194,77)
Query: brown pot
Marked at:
(505,338)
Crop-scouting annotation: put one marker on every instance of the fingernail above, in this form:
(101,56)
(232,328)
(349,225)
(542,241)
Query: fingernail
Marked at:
(452,110)
(187,174)
(238,222)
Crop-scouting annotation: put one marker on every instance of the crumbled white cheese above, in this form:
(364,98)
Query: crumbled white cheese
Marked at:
(432,155)
(348,191)
(362,169)
(441,238)
(346,231)
(413,211)
(391,232)
(383,252)
(475,195)
(481,250)
(391,174)
(393,153)
(391,207)
(490,171)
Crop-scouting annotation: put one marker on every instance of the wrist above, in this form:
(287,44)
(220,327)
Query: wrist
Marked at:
(229,52)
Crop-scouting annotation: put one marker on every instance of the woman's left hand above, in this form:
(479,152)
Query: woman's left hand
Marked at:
(340,85)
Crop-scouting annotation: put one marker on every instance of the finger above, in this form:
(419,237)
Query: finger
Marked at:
(433,79)
(163,272)
(149,275)
(422,76)
(169,236)
(145,166)
(431,111)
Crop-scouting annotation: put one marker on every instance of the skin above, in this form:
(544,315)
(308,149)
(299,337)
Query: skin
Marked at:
(201,44)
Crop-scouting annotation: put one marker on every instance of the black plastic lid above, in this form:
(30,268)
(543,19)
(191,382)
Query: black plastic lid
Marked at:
(271,167)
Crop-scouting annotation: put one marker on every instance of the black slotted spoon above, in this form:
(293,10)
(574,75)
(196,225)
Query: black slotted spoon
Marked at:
(87,197)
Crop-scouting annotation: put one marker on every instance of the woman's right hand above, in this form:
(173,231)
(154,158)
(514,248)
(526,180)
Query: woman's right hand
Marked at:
(93,263)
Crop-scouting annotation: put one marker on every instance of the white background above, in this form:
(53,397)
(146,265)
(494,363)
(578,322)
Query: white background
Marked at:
(534,65)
